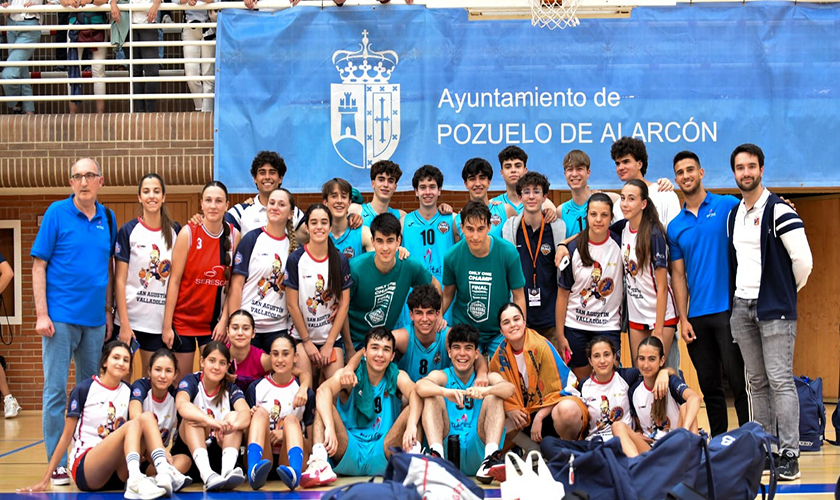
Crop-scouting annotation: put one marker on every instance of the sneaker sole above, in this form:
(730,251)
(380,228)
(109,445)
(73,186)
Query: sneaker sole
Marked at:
(796,476)
(137,496)
(261,471)
(233,482)
(498,473)
(288,480)
(314,483)
(60,482)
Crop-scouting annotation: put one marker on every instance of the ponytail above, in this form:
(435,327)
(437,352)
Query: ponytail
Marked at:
(649,223)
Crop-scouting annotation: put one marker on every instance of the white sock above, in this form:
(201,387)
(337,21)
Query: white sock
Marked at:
(438,447)
(490,448)
(159,460)
(202,462)
(132,461)
(229,456)
(320,452)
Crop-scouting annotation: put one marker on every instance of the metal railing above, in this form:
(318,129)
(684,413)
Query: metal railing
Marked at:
(177,76)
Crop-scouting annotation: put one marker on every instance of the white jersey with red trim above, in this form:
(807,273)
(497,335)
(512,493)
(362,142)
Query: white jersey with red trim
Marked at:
(639,278)
(642,398)
(609,401)
(261,259)
(193,384)
(163,410)
(149,264)
(100,409)
(596,291)
(277,400)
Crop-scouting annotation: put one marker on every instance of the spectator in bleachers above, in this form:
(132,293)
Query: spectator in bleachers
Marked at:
(76,54)
(140,53)
(202,51)
(20,55)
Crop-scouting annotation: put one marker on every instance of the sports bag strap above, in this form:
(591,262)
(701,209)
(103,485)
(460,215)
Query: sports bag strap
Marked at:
(710,478)
(772,493)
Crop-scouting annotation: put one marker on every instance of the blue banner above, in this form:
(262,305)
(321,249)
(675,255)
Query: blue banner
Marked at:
(335,90)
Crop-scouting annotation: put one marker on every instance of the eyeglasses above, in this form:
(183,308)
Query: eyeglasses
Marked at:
(90,176)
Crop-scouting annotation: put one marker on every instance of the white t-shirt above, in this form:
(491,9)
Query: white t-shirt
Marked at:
(100,409)
(163,410)
(277,401)
(311,278)
(642,398)
(608,402)
(261,259)
(640,283)
(149,264)
(193,385)
(596,291)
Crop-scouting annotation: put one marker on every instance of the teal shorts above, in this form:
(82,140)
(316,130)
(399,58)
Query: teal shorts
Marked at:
(363,458)
(488,346)
(472,451)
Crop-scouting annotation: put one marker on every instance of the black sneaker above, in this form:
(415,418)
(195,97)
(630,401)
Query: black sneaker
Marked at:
(433,453)
(788,468)
(492,467)
(766,471)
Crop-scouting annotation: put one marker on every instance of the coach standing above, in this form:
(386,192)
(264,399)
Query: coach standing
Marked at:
(699,254)
(771,261)
(72,284)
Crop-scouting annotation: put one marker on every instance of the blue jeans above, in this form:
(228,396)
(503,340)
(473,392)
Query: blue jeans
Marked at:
(84,343)
(767,349)
(19,55)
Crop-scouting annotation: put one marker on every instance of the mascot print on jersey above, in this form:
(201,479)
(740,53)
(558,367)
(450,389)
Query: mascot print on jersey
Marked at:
(113,423)
(158,269)
(598,289)
(273,282)
(608,415)
(631,268)
(321,297)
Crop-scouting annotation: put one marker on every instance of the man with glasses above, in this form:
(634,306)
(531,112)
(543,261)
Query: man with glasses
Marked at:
(72,281)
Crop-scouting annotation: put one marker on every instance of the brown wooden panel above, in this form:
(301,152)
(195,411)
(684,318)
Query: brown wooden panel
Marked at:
(817,338)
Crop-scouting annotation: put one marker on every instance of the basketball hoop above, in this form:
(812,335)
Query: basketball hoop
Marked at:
(554,13)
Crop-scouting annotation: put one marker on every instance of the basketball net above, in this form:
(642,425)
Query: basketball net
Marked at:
(554,13)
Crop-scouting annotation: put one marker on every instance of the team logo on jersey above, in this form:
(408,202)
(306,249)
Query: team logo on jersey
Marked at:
(158,269)
(382,298)
(73,405)
(599,288)
(495,219)
(365,106)
(757,222)
(443,227)
(545,249)
(321,297)
(238,258)
(274,281)
(136,392)
(663,426)
(117,247)
(436,359)
(349,252)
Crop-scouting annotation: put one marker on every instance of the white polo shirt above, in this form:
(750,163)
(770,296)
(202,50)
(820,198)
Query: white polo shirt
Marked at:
(746,236)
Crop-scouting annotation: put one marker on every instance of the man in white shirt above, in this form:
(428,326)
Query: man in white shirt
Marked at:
(770,261)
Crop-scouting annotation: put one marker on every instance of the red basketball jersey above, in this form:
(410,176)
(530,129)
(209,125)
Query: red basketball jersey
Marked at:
(202,291)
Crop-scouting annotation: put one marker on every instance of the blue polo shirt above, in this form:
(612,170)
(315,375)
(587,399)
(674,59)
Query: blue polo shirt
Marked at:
(77,252)
(701,241)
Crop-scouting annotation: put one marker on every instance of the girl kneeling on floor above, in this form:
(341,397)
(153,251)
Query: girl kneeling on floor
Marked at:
(106,448)
(279,415)
(214,413)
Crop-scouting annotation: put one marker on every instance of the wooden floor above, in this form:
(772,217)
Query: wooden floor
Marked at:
(22,462)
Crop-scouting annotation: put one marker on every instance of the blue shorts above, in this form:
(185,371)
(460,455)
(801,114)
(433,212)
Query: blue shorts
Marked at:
(113,483)
(363,458)
(488,346)
(578,339)
(263,340)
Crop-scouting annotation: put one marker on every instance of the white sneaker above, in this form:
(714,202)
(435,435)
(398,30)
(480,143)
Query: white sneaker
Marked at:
(179,481)
(164,480)
(12,406)
(234,478)
(318,473)
(143,488)
(214,482)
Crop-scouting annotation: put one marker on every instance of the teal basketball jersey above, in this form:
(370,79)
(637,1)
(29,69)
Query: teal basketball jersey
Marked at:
(419,361)
(350,243)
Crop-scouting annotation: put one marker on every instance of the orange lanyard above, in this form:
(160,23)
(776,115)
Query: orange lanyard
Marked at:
(533,254)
